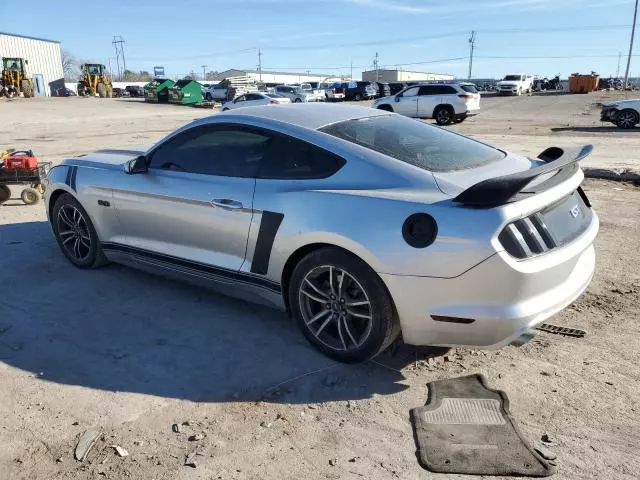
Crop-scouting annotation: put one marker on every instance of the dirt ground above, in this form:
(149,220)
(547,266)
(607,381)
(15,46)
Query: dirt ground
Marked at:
(131,354)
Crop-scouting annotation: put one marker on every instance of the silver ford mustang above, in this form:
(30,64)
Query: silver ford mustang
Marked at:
(360,223)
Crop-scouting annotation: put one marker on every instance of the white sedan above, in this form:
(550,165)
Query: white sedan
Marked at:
(255,99)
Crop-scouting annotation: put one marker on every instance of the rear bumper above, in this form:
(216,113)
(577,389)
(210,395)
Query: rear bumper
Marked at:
(502,298)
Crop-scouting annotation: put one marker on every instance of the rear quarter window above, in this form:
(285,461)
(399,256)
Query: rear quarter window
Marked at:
(414,142)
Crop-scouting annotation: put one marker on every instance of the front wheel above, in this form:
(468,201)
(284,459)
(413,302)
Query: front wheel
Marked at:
(30,196)
(627,119)
(386,108)
(358,97)
(297,100)
(75,233)
(342,306)
(5,193)
(443,116)
(225,109)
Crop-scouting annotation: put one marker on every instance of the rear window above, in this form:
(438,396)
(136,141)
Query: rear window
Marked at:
(469,88)
(414,142)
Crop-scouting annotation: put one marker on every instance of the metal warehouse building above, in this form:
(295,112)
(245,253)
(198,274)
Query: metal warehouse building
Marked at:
(271,77)
(44,60)
(403,76)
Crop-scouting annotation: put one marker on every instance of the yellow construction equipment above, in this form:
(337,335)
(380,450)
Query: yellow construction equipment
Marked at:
(15,79)
(94,80)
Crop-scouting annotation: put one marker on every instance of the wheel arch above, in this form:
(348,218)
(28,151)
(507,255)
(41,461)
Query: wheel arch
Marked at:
(305,250)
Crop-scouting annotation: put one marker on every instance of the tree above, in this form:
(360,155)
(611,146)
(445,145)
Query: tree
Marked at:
(69,65)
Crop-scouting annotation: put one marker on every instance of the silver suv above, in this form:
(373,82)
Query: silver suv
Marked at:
(450,102)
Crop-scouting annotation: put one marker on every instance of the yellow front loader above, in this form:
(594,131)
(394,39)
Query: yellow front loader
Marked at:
(15,79)
(94,80)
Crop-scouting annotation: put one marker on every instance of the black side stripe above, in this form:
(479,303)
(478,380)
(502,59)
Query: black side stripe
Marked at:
(74,173)
(67,180)
(201,267)
(269,226)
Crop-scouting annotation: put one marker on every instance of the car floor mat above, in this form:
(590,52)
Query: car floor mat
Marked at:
(465,427)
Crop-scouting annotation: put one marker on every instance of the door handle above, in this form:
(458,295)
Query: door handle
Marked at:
(226,203)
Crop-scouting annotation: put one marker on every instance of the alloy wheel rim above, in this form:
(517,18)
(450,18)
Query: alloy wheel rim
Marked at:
(626,119)
(443,116)
(74,233)
(335,308)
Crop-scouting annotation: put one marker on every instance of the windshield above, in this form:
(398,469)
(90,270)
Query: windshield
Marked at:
(414,142)
(468,87)
(513,77)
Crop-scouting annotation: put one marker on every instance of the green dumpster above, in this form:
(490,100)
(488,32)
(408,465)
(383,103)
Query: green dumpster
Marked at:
(185,92)
(158,90)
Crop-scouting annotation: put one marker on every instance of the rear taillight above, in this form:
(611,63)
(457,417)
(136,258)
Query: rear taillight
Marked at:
(274,102)
(466,96)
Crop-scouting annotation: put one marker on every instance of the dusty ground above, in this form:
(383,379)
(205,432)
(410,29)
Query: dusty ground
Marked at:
(134,354)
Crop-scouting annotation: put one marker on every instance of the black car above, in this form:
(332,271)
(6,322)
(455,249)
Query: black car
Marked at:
(396,87)
(384,90)
(359,90)
(135,90)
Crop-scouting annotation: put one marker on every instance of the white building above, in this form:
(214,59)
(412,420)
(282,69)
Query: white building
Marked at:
(253,76)
(403,76)
(44,60)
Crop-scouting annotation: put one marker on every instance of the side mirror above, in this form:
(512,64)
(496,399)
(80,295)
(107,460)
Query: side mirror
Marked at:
(137,165)
(397,99)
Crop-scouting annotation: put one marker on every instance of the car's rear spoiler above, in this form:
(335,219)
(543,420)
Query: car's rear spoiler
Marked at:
(509,188)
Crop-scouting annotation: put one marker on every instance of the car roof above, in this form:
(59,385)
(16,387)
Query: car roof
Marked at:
(307,115)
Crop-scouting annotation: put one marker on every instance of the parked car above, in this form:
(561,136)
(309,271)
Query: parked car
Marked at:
(624,113)
(446,102)
(382,89)
(296,93)
(215,92)
(515,84)
(335,92)
(135,90)
(359,91)
(315,94)
(254,99)
(441,242)
(65,92)
(119,92)
(396,87)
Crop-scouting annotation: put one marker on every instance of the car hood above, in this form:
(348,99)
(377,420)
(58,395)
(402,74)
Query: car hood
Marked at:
(511,83)
(108,158)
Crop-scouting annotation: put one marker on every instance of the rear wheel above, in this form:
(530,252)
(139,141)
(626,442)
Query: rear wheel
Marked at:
(627,118)
(443,115)
(27,89)
(297,100)
(5,193)
(109,92)
(358,97)
(30,196)
(75,233)
(342,306)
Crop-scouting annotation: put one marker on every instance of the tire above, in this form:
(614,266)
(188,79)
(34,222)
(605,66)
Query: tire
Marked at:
(627,118)
(519,92)
(90,256)
(208,97)
(30,196)
(345,334)
(102,90)
(443,115)
(225,109)
(5,193)
(109,92)
(386,108)
(297,100)
(358,97)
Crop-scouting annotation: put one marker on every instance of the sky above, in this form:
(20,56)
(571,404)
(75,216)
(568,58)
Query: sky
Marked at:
(541,37)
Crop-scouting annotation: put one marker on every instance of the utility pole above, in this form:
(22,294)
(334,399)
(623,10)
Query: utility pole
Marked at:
(260,63)
(472,46)
(619,60)
(633,33)
(375,64)
(118,43)
(352,69)
(204,69)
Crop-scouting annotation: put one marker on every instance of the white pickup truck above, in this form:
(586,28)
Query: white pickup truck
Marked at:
(515,84)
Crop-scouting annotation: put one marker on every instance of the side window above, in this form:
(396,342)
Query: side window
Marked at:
(220,151)
(448,90)
(427,90)
(253,96)
(410,92)
(241,98)
(292,159)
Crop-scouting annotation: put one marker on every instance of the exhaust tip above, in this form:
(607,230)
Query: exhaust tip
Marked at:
(525,338)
